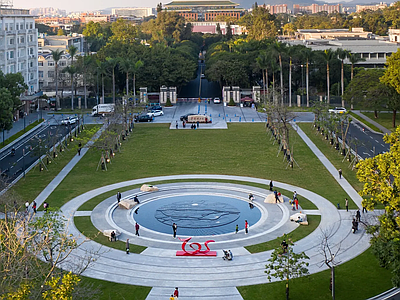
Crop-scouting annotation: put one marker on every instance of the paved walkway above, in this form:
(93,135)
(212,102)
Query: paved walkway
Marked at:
(216,279)
(382,128)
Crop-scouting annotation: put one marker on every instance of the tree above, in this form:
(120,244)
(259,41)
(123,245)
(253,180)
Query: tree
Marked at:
(285,264)
(279,49)
(102,70)
(112,63)
(56,54)
(381,178)
(72,50)
(328,55)
(262,62)
(6,112)
(367,90)
(135,68)
(228,34)
(219,32)
(60,32)
(260,24)
(307,54)
(342,54)
(15,84)
(126,66)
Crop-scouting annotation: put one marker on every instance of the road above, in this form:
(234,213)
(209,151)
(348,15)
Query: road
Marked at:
(29,149)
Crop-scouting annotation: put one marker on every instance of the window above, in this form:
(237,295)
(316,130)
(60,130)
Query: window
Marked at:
(31,64)
(50,74)
(31,51)
(32,76)
(40,74)
(22,40)
(50,63)
(17,26)
(62,64)
(11,41)
(11,54)
(31,26)
(40,63)
(6,27)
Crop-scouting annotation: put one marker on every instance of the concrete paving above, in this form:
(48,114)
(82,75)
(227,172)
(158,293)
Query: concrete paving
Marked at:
(204,278)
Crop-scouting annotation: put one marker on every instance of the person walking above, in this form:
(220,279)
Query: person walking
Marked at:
(276,197)
(34,206)
(237,228)
(137,228)
(176,125)
(176,293)
(364,209)
(340,173)
(347,204)
(294,195)
(271,185)
(79,151)
(118,196)
(246,227)
(296,202)
(174,228)
(127,246)
(27,206)
(358,215)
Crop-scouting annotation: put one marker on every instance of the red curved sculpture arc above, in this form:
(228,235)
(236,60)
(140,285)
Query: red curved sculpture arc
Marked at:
(195,252)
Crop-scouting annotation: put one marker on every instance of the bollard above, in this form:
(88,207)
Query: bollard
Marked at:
(252,120)
(219,115)
(230,120)
(235,115)
(226,115)
(240,119)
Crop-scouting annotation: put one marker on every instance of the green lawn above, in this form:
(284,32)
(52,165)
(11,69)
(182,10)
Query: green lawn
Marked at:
(20,133)
(84,225)
(385,119)
(244,149)
(295,235)
(358,279)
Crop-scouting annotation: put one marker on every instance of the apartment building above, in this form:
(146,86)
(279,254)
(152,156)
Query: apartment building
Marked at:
(375,7)
(277,9)
(53,42)
(315,8)
(139,12)
(46,65)
(19,46)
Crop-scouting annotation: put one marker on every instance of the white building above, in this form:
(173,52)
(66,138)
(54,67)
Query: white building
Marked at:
(62,43)
(140,12)
(19,46)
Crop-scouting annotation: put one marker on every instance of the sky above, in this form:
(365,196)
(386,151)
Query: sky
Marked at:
(86,5)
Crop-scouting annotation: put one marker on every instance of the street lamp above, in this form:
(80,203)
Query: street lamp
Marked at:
(23,160)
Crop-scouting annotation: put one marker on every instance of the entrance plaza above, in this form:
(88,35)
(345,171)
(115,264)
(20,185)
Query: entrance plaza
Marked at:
(206,277)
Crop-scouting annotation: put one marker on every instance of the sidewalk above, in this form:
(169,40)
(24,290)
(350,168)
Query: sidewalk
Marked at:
(383,129)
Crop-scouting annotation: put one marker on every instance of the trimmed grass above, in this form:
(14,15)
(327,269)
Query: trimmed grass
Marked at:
(117,291)
(20,133)
(29,188)
(384,119)
(84,225)
(373,127)
(296,235)
(358,279)
(243,149)
(335,158)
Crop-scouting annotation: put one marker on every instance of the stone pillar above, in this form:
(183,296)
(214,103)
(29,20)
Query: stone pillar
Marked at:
(163,94)
(226,94)
(256,93)
(172,94)
(236,94)
(298,101)
(143,95)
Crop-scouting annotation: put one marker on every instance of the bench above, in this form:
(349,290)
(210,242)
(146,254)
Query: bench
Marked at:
(107,233)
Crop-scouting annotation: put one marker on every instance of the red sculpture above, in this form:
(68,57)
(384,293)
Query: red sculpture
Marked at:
(196,252)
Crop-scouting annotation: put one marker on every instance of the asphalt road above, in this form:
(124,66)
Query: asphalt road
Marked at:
(32,146)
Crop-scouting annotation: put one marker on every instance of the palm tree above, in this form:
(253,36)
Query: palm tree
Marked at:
(342,54)
(112,63)
(262,62)
(353,58)
(280,48)
(72,50)
(328,55)
(136,66)
(307,54)
(56,54)
(274,68)
(102,70)
(71,70)
(291,50)
(125,64)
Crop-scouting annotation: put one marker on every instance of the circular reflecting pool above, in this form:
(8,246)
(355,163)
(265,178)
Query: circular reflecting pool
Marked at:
(196,215)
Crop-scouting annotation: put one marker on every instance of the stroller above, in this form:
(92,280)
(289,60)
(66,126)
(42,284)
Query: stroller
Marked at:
(227,255)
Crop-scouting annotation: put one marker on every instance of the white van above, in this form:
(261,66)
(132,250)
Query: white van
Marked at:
(103,109)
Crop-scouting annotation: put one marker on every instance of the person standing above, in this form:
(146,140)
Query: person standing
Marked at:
(127,246)
(176,125)
(137,228)
(246,227)
(118,196)
(358,215)
(347,204)
(294,195)
(271,185)
(172,297)
(340,173)
(27,206)
(45,206)
(136,199)
(296,202)
(174,228)
(364,209)
(237,228)
(176,293)
(34,206)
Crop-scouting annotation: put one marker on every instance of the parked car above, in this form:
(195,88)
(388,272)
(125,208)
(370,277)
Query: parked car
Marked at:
(143,118)
(202,76)
(156,113)
(338,110)
(217,100)
(155,107)
(185,117)
(69,121)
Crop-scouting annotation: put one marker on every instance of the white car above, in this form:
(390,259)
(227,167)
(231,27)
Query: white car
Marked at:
(217,100)
(69,120)
(156,113)
(338,110)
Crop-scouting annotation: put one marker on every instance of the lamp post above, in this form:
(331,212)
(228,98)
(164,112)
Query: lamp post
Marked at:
(97,86)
